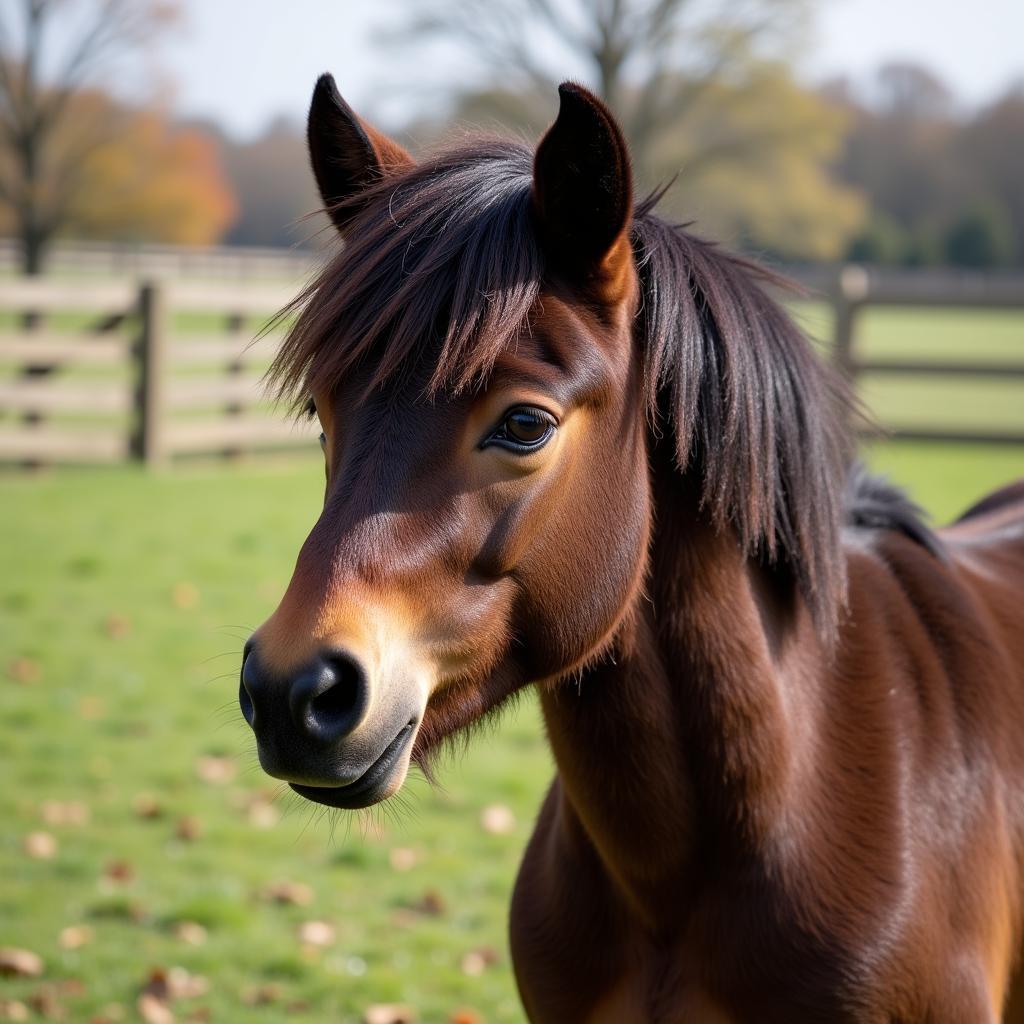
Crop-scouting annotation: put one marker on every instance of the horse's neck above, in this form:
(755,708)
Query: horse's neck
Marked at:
(683,751)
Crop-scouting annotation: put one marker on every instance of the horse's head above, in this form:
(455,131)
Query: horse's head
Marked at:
(469,355)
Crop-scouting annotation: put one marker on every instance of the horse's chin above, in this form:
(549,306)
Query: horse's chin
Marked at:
(382,779)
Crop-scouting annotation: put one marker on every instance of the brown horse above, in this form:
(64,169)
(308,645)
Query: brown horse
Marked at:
(571,445)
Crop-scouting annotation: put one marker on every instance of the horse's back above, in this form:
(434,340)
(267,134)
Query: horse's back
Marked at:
(986,545)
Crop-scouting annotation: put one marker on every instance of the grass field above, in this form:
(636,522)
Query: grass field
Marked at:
(138,835)
(123,601)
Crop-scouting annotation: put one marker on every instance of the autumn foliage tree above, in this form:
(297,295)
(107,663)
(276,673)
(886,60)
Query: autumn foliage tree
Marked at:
(72,160)
(701,88)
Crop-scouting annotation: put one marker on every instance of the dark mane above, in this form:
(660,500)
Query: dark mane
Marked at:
(440,272)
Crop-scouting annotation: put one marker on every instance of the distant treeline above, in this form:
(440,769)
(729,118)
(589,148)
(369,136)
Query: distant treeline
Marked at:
(937,184)
(943,185)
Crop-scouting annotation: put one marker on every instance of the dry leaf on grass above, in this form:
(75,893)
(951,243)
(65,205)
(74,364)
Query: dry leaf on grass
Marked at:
(430,904)
(216,770)
(91,709)
(20,963)
(45,1003)
(476,961)
(401,858)
(147,806)
(154,1010)
(64,812)
(190,932)
(183,985)
(116,626)
(296,894)
(317,933)
(497,819)
(24,670)
(465,1015)
(390,1013)
(188,829)
(185,595)
(120,871)
(14,1009)
(75,936)
(263,995)
(40,845)
(263,814)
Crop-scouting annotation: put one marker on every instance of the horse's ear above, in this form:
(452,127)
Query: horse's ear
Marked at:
(583,188)
(346,153)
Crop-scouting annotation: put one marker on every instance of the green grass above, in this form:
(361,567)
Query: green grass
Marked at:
(123,602)
(125,597)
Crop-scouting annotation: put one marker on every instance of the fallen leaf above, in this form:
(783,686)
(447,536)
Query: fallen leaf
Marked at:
(263,995)
(120,871)
(185,595)
(116,626)
(153,1010)
(289,893)
(401,858)
(263,814)
(75,936)
(200,1015)
(389,1013)
(476,961)
(190,932)
(431,904)
(40,845)
(147,806)
(183,985)
(497,819)
(13,1009)
(188,829)
(19,963)
(317,933)
(465,1015)
(91,709)
(45,1003)
(24,670)
(65,812)
(215,770)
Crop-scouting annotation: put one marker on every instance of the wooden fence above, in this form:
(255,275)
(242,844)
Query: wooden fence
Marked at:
(111,371)
(853,289)
(103,372)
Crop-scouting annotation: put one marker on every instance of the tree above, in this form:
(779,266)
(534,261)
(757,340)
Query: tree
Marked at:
(980,237)
(696,89)
(39,79)
(273,187)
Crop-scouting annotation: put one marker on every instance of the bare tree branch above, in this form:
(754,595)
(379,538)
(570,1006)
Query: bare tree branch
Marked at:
(35,111)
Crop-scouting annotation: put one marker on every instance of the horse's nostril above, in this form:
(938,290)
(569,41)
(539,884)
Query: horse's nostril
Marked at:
(343,696)
(329,700)
(245,684)
(245,703)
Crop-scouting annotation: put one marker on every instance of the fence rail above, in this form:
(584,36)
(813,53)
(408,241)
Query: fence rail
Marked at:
(107,371)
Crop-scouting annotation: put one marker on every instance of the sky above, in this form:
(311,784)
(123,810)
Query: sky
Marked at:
(242,62)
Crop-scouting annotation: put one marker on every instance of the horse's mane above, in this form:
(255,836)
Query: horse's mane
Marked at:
(439,274)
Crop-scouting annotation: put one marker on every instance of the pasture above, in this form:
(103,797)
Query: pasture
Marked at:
(134,814)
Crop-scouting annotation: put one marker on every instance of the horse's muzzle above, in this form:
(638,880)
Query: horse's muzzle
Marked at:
(318,730)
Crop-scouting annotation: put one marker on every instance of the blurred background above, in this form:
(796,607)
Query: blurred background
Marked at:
(156,209)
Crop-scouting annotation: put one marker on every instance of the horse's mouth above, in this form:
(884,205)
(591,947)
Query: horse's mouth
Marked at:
(376,783)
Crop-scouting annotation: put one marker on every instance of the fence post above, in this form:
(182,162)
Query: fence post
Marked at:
(851,291)
(147,442)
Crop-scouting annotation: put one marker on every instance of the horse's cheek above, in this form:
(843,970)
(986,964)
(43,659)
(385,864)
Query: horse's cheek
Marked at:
(584,571)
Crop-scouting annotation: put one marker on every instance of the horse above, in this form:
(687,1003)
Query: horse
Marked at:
(572,446)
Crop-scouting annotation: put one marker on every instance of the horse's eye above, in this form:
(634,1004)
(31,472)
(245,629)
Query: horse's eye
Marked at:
(523,430)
